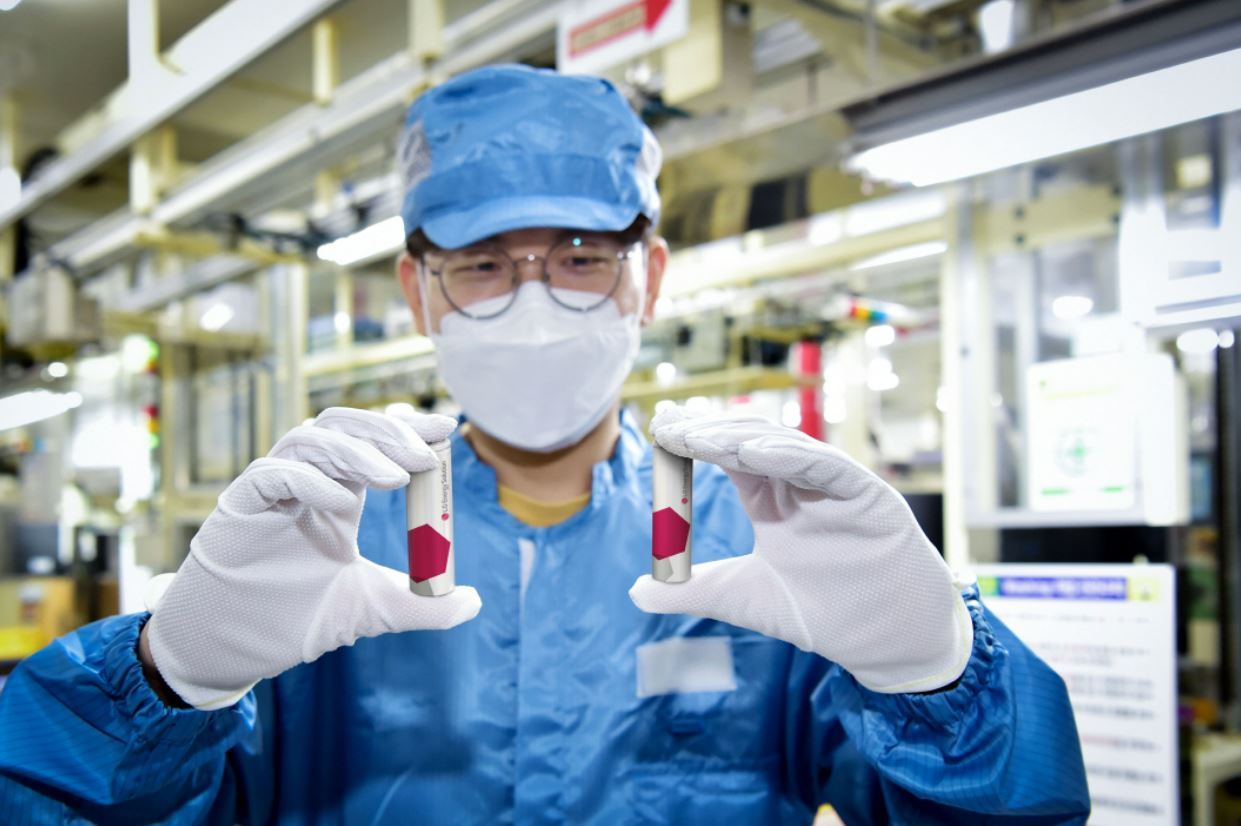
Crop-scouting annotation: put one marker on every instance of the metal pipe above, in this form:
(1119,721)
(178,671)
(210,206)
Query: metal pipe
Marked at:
(1228,508)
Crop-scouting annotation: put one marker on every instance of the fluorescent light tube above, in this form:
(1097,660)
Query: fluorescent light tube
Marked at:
(384,238)
(216,316)
(1144,103)
(35,406)
(894,211)
(901,254)
(1071,306)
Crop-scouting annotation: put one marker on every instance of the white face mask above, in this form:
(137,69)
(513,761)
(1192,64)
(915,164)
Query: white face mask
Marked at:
(539,376)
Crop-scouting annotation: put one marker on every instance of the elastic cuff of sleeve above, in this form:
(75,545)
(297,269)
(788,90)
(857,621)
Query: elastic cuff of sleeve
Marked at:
(943,710)
(152,719)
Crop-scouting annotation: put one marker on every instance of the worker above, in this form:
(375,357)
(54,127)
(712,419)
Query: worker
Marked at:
(821,652)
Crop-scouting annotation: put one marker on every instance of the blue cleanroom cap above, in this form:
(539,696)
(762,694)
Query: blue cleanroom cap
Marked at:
(510,147)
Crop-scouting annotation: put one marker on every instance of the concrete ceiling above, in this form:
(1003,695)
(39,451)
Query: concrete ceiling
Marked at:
(61,57)
(280,81)
(53,89)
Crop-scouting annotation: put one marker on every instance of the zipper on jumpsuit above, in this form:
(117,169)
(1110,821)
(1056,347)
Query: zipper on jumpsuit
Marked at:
(527,551)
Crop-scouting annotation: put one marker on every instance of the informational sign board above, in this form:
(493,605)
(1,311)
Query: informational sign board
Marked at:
(1109,632)
(1108,433)
(1082,434)
(594,35)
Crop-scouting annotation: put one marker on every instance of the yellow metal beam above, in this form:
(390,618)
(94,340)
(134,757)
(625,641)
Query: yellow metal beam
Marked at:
(142,191)
(203,245)
(750,264)
(8,253)
(730,382)
(342,307)
(1088,212)
(426,29)
(147,162)
(327,184)
(829,188)
(694,65)
(326,57)
(8,130)
(117,323)
(165,157)
(8,166)
(359,356)
(152,168)
(745,154)
(122,324)
(213,340)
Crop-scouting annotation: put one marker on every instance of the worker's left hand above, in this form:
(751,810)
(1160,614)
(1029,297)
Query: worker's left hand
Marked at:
(840,566)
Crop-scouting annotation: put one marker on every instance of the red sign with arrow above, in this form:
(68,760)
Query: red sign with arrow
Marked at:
(615,24)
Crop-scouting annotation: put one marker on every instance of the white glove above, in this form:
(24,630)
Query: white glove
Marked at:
(274,578)
(839,566)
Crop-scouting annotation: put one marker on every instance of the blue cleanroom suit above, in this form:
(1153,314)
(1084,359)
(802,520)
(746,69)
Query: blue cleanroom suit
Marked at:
(560,703)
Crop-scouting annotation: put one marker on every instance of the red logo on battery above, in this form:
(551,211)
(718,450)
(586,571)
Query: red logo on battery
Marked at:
(428,553)
(670,533)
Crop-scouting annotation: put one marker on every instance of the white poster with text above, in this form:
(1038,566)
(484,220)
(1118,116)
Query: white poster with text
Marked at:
(1109,632)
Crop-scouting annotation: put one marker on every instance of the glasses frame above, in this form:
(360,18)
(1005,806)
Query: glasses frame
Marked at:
(627,250)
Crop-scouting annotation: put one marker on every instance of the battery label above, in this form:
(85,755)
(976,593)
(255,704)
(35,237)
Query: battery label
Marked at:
(429,526)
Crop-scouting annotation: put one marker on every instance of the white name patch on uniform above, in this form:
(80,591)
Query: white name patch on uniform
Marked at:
(683,665)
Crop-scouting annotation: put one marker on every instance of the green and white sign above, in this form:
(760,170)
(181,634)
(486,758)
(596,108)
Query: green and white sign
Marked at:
(1082,434)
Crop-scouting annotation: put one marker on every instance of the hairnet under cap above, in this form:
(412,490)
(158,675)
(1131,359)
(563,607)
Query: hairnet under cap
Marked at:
(510,147)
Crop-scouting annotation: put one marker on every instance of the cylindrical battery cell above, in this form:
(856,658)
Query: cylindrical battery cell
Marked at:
(672,495)
(428,518)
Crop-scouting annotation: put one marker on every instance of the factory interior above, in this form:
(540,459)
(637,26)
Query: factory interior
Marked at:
(989,249)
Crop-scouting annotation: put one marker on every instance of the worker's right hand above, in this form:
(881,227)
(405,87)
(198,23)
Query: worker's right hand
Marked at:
(274,577)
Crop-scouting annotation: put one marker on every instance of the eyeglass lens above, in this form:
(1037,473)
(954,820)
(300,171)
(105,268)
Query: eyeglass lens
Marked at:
(581,271)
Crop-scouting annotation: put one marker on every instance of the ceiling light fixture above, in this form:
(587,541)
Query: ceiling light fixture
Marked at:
(1071,306)
(1201,340)
(216,316)
(384,238)
(34,406)
(1103,114)
(900,255)
(881,335)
